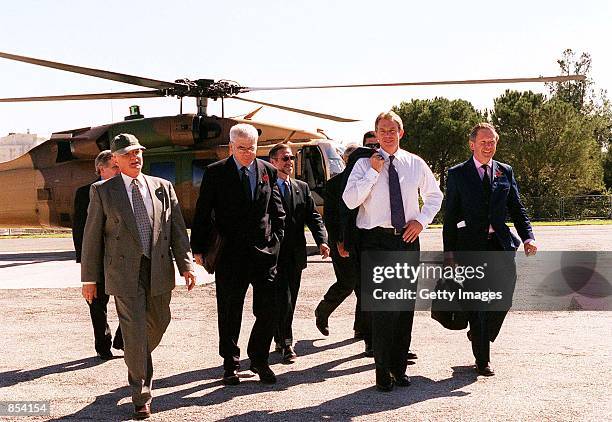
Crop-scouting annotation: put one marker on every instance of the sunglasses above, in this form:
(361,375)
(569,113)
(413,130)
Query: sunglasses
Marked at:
(287,158)
(373,145)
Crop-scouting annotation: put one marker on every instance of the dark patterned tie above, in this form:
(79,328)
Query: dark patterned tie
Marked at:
(142,219)
(486,182)
(398,220)
(246,184)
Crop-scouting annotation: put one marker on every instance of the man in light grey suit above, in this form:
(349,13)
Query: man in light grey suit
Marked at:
(134,226)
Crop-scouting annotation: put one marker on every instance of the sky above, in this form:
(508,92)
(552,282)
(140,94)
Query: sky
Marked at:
(275,43)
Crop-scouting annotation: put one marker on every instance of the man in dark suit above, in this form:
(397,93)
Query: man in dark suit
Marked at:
(346,268)
(240,200)
(300,210)
(480,193)
(105,169)
(134,228)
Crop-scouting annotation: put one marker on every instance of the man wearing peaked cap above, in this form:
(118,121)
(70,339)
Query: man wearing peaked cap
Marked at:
(134,222)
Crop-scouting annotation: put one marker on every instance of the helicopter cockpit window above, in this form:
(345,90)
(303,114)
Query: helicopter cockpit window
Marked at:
(208,130)
(197,171)
(313,172)
(336,164)
(64,153)
(165,170)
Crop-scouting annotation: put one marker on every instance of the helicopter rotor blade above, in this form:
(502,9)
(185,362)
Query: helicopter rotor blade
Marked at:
(101,96)
(98,73)
(427,83)
(298,110)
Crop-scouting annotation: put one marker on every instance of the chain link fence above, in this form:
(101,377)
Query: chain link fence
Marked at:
(585,207)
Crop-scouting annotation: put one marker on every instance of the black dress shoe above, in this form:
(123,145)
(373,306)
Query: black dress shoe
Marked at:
(142,412)
(265,373)
(401,380)
(321,322)
(108,355)
(411,355)
(369,350)
(384,380)
(485,370)
(289,354)
(230,377)
(118,345)
(469,333)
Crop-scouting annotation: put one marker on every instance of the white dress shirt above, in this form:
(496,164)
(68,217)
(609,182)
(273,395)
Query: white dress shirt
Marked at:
(144,191)
(369,190)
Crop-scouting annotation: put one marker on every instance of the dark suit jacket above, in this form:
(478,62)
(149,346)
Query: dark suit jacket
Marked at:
(301,211)
(79,217)
(331,211)
(464,203)
(251,230)
(349,234)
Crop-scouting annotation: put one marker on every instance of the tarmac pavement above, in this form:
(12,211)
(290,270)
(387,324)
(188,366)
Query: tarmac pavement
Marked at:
(549,365)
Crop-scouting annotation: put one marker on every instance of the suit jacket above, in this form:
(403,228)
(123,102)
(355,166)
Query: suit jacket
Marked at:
(331,211)
(465,206)
(299,212)
(111,240)
(251,229)
(349,233)
(79,217)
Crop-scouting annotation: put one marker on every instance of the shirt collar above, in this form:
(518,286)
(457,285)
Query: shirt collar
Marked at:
(386,155)
(281,182)
(127,180)
(250,167)
(479,164)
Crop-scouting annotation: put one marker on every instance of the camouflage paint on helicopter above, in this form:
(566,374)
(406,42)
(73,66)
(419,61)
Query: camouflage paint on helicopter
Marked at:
(39,187)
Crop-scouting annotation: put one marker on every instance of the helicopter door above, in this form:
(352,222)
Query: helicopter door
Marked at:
(311,167)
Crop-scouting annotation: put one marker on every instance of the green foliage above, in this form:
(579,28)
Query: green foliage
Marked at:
(549,143)
(437,130)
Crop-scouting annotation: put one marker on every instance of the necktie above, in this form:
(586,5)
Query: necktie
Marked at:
(286,192)
(142,219)
(398,220)
(486,182)
(246,184)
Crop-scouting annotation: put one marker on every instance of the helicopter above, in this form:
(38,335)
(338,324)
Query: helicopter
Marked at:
(39,186)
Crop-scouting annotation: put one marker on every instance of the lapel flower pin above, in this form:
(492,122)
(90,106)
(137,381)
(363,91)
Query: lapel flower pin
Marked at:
(265,178)
(498,173)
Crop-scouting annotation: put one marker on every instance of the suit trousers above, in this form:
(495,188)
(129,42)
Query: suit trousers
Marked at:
(99,321)
(391,330)
(347,281)
(287,286)
(485,325)
(231,290)
(143,320)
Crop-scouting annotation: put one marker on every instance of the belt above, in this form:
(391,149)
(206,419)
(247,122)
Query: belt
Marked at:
(388,230)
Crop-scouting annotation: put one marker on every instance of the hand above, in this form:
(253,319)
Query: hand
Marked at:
(324,250)
(89,292)
(341,251)
(530,248)
(190,279)
(412,231)
(199,259)
(377,162)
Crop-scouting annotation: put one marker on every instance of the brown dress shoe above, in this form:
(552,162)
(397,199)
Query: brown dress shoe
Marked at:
(142,412)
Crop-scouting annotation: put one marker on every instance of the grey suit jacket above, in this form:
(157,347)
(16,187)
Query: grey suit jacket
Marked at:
(111,241)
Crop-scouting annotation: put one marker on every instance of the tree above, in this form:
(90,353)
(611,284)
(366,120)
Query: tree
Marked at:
(550,144)
(437,130)
(580,94)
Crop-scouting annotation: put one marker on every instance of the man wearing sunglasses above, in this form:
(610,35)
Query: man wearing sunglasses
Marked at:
(300,210)
(370,140)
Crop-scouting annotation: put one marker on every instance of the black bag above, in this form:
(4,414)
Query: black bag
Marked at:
(449,313)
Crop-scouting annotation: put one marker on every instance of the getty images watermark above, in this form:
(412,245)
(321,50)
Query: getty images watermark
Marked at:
(552,281)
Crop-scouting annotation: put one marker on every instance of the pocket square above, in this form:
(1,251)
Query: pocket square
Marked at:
(460,224)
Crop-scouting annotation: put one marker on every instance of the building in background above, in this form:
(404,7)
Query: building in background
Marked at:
(17,144)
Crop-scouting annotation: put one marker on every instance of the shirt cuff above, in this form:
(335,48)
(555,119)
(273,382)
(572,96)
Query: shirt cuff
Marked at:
(528,241)
(89,282)
(372,174)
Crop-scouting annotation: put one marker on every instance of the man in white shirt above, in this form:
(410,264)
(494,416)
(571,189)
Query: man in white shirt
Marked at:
(386,189)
